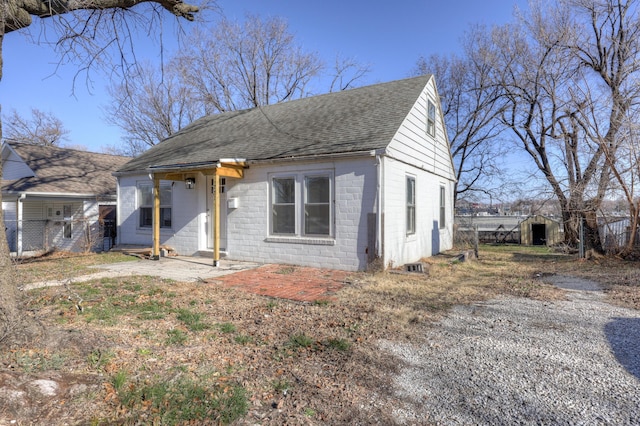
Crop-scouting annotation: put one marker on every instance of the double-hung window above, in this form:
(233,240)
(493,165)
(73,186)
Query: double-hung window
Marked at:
(145,205)
(431,118)
(317,205)
(443,211)
(283,206)
(411,205)
(301,204)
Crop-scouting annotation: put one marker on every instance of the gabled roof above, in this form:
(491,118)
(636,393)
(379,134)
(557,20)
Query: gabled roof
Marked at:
(64,171)
(355,120)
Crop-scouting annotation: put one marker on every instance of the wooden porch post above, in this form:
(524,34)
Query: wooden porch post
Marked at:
(156,218)
(216,219)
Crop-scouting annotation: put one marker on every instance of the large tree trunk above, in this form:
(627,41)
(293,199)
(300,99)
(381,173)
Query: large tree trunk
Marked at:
(15,325)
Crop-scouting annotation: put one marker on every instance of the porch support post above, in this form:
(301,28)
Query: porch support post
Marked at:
(19,218)
(216,219)
(155,255)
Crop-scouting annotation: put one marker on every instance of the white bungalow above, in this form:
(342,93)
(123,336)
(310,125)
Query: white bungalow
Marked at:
(335,181)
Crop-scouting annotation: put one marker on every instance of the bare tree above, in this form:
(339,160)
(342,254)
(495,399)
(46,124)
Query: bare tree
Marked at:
(229,67)
(150,106)
(85,29)
(42,129)
(346,72)
(471,105)
(236,66)
(568,74)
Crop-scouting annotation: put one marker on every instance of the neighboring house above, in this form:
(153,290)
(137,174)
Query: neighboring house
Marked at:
(336,181)
(52,197)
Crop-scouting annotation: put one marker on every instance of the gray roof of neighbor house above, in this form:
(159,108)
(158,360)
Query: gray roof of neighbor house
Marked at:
(65,171)
(354,120)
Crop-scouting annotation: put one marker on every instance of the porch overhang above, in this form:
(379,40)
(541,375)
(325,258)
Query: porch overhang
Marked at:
(228,167)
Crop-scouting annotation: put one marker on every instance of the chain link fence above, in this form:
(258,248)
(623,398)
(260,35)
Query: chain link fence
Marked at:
(78,235)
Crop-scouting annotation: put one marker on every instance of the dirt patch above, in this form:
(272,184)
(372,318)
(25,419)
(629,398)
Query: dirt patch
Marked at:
(568,282)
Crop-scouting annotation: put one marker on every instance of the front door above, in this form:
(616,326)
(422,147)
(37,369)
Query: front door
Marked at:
(223,213)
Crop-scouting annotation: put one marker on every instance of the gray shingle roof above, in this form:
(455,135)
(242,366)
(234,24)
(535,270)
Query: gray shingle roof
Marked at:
(61,170)
(342,122)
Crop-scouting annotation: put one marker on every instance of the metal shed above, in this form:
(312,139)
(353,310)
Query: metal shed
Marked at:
(540,230)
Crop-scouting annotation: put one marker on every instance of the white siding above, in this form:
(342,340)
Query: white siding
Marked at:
(248,225)
(355,195)
(429,238)
(14,167)
(186,211)
(9,217)
(413,145)
(41,231)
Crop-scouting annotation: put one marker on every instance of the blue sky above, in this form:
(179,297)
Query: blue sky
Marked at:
(390,36)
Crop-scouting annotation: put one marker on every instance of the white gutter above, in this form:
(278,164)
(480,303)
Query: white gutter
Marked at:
(313,157)
(57,194)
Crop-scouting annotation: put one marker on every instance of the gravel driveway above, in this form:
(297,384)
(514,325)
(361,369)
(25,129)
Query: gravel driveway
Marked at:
(520,361)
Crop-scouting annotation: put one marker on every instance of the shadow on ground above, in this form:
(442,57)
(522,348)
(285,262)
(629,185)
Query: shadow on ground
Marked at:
(623,335)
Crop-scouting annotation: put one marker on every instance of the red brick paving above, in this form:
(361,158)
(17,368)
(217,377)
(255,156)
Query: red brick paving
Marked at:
(288,282)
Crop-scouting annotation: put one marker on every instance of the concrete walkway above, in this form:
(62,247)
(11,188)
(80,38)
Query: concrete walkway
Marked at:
(178,268)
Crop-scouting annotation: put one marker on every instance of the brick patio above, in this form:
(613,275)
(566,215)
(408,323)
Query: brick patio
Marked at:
(287,282)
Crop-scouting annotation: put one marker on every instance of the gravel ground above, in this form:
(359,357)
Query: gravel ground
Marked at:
(522,361)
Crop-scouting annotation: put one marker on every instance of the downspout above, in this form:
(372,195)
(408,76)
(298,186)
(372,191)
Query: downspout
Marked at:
(118,216)
(19,214)
(379,195)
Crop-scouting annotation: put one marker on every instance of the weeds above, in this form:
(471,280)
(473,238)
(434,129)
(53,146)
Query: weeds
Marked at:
(227,327)
(32,361)
(99,358)
(281,385)
(300,341)
(193,320)
(338,344)
(182,400)
(243,339)
(176,337)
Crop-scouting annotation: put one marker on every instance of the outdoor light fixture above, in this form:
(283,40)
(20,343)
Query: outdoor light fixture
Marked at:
(190,183)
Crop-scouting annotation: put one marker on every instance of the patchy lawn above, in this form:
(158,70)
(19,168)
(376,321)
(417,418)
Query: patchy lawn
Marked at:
(139,350)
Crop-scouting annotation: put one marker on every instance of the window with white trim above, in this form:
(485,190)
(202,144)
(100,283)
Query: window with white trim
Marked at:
(301,204)
(443,211)
(283,205)
(145,205)
(431,118)
(411,205)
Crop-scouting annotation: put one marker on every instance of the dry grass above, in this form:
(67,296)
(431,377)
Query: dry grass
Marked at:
(290,362)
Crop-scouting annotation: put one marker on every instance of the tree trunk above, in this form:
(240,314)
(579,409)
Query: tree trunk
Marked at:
(15,325)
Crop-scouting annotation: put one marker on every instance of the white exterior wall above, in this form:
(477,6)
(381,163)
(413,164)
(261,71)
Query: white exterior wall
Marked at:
(414,152)
(9,217)
(354,186)
(355,196)
(13,166)
(187,211)
(412,145)
(429,239)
